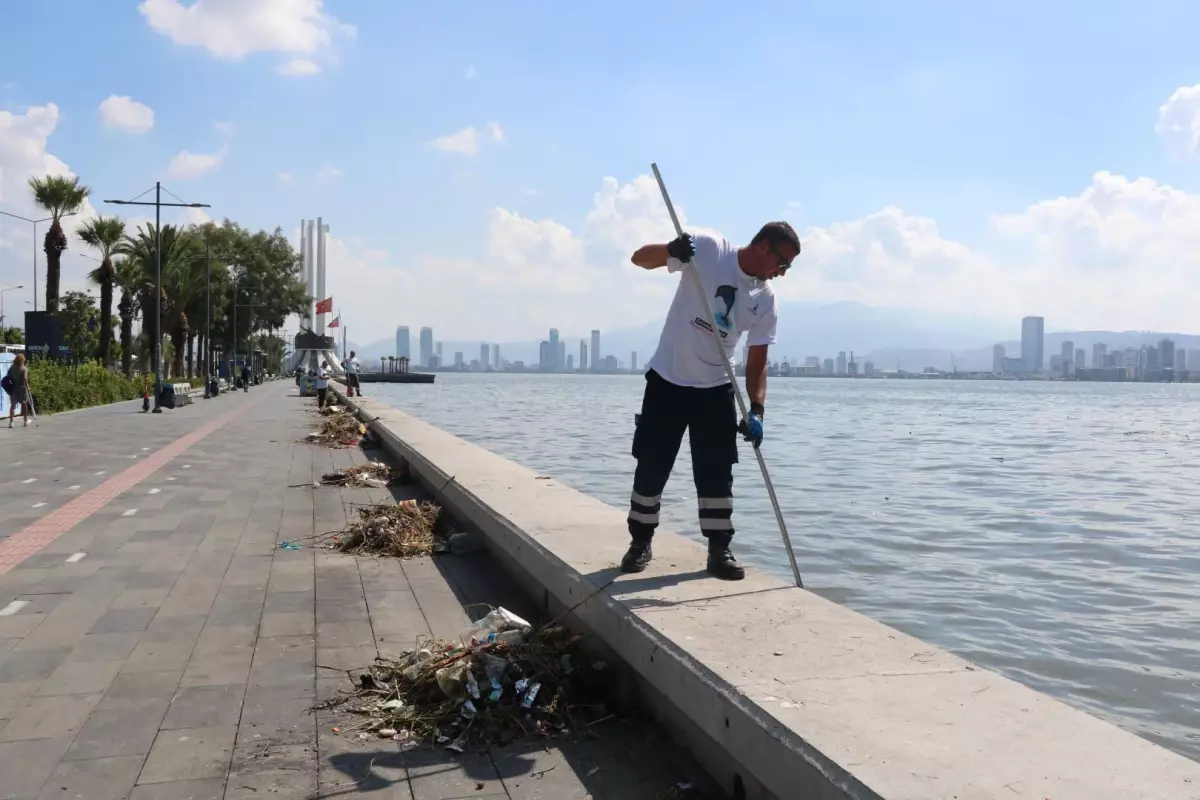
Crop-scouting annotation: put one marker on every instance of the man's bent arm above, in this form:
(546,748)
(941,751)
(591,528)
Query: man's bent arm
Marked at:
(756,376)
(650,256)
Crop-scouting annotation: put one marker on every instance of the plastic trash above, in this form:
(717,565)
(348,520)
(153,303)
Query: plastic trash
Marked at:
(510,638)
(375,483)
(452,680)
(387,733)
(392,705)
(531,695)
(497,621)
(288,545)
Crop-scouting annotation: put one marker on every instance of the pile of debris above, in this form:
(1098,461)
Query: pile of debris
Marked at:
(340,428)
(500,682)
(404,529)
(372,474)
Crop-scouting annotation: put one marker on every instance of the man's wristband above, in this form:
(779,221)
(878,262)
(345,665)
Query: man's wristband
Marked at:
(756,409)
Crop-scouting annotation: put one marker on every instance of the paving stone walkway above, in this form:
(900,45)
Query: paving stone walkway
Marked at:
(156,645)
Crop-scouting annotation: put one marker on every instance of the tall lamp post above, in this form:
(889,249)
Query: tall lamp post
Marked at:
(35,223)
(3,329)
(158,206)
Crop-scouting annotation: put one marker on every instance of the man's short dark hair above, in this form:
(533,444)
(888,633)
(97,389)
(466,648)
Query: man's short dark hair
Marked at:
(776,234)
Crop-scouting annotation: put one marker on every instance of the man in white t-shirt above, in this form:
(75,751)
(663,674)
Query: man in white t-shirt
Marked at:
(687,387)
(352,369)
(322,383)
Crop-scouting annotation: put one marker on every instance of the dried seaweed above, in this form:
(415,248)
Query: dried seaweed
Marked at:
(371,474)
(404,529)
(339,428)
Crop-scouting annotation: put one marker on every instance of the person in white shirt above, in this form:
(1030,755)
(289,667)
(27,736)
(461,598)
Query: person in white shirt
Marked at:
(687,388)
(322,383)
(352,369)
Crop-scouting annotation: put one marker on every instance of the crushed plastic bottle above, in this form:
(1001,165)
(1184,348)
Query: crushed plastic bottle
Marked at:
(495,622)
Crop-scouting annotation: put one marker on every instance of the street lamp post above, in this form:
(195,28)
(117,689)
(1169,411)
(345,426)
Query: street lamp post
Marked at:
(3,329)
(158,205)
(207,322)
(35,223)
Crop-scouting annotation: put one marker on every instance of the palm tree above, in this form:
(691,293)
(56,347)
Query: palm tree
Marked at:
(141,249)
(184,283)
(129,276)
(58,196)
(105,234)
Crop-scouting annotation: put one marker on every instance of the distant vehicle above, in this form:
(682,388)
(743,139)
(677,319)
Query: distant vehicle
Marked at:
(12,348)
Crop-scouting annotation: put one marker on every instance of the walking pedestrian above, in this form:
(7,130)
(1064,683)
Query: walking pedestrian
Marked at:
(322,383)
(687,388)
(352,370)
(16,383)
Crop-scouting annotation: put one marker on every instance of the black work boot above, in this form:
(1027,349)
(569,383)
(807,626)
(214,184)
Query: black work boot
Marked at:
(637,556)
(722,564)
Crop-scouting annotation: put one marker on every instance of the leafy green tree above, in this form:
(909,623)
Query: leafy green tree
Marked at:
(79,322)
(58,196)
(12,336)
(129,278)
(105,234)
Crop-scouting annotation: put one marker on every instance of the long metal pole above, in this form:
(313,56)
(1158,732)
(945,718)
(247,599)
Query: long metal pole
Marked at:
(35,266)
(157,296)
(207,318)
(737,392)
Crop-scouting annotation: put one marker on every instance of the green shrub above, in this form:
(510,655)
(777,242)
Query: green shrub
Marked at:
(62,387)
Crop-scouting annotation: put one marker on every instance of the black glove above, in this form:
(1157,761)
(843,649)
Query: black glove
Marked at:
(682,248)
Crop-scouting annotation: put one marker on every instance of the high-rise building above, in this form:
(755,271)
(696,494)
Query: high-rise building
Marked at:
(484,352)
(570,363)
(1099,352)
(1166,349)
(560,356)
(458,359)
(402,342)
(998,359)
(437,348)
(1033,334)
(1067,358)
(633,361)
(582,355)
(597,359)
(426,347)
(1181,360)
(555,364)
(1080,359)
(496,357)
(1193,358)
(544,356)
(1056,364)
(1152,360)
(841,363)
(827,367)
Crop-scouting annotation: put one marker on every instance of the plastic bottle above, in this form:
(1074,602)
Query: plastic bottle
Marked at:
(499,620)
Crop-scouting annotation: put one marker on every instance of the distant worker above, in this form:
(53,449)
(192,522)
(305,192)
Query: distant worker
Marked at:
(322,383)
(245,377)
(352,370)
(687,387)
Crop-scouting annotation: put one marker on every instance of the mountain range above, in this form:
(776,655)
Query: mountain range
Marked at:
(891,338)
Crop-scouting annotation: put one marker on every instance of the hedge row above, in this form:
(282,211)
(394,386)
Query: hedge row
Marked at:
(61,387)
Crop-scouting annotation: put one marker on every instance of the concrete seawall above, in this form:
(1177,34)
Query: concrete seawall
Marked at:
(778,692)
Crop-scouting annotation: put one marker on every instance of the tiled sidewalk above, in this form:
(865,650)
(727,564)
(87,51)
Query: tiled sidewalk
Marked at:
(159,647)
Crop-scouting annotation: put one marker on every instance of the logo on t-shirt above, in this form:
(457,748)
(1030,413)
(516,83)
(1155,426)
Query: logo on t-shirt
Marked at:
(726,294)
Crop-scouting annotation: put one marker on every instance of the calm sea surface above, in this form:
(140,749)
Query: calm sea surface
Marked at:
(1049,531)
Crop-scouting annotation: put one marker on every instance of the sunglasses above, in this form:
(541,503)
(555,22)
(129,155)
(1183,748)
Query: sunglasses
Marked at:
(784,263)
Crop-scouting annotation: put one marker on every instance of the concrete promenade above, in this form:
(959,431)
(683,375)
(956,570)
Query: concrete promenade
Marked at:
(156,645)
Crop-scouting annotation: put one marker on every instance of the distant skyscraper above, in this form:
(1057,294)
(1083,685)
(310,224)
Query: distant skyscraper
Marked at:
(998,359)
(1099,351)
(1033,334)
(596,357)
(570,363)
(440,355)
(458,359)
(1068,357)
(555,363)
(1193,359)
(496,357)
(1166,349)
(1181,360)
(633,361)
(1080,359)
(841,363)
(484,352)
(560,356)
(426,346)
(827,367)
(544,356)
(402,342)
(583,362)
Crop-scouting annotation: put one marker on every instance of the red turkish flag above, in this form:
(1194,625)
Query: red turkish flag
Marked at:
(336,322)
(325,306)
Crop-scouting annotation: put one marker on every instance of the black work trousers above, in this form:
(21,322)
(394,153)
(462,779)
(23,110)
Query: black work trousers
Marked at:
(710,419)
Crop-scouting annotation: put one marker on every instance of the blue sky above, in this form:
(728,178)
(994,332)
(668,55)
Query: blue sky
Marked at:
(831,114)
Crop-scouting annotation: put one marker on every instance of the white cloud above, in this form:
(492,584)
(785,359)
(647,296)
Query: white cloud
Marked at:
(286,179)
(1179,122)
(24,154)
(298,68)
(470,72)
(233,29)
(468,141)
(187,165)
(329,173)
(126,114)
(224,128)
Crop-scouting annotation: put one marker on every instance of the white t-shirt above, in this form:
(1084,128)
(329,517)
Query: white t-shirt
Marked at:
(322,378)
(351,366)
(687,354)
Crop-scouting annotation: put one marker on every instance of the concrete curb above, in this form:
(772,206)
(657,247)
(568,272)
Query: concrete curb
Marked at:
(778,692)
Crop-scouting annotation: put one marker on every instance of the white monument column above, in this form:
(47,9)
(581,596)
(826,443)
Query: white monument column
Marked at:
(321,228)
